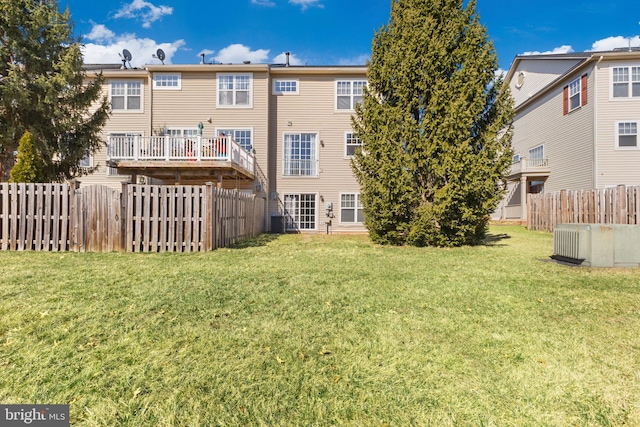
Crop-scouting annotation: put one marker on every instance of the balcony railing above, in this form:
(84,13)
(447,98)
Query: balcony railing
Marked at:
(170,149)
(525,165)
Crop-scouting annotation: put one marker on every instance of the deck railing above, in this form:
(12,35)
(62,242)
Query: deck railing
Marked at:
(170,148)
(526,165)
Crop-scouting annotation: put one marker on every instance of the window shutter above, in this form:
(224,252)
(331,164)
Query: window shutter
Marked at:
(583,88)
(565,100)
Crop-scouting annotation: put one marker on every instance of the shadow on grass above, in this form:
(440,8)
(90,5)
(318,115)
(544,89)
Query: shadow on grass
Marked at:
(261,240)
(493,239)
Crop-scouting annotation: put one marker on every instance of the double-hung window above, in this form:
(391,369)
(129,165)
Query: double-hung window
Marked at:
(300,211)
(352,142)
(351,210)
(300,154)
(574,94)
(349,93)
(234,90)
(241,136)
(126,96)
(627,134)
(167,81)
(625,82)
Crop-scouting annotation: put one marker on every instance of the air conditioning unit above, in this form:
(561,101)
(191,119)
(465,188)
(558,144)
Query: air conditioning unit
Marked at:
(597,245)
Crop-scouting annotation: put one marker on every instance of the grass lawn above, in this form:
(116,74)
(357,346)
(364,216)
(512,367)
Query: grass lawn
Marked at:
(323,330)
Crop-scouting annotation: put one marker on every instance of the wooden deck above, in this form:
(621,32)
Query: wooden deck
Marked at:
(181,160)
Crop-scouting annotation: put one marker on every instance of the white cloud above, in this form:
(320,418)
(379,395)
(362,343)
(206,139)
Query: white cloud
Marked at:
(357,60)
(611,43)
(263,3)
(237,53)
(306,3)
(293,60)
(100,33)
(147,12)
(108,46)
(555,51)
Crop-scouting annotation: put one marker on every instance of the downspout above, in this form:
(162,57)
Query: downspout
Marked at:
(150,83)
(595,123)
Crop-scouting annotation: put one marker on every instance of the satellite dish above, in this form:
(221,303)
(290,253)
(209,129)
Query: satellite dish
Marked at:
(160,54)
(126,55)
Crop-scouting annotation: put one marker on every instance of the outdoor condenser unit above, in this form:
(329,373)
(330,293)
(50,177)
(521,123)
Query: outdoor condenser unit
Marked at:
(597,245)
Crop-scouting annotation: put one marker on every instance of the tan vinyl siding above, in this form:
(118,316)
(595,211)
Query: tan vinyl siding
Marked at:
(120,122)
(538,73)
(313,110)
(568,139)
(615,166)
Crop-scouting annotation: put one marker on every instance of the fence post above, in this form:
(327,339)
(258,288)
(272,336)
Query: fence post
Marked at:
(622,204)
(124,218)
(209,216)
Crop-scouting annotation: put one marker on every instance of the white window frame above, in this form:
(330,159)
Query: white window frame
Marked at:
(287,159)
(234,135)
(575,92)
(287,90)
(357,208)
(618,134)
(293,220)
(234,90)
(88,159)
(349,142)
(160,81)
(633,79)
(343,90)
(126,96)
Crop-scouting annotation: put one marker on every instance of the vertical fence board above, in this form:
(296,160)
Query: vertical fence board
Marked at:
(4,190)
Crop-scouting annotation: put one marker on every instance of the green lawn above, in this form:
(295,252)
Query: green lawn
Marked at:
(323,330)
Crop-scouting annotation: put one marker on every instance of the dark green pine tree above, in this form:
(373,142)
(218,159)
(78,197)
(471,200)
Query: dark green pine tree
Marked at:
(434,125)
(44,88)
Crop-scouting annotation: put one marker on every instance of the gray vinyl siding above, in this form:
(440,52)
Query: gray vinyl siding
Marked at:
(538,74)
(313,110)
(615,166)
(568,139)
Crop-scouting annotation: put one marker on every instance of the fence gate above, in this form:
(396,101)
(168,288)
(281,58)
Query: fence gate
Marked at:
(95,219)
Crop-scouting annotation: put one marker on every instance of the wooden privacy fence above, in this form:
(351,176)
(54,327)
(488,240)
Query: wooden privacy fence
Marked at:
(138,218)
(619,205)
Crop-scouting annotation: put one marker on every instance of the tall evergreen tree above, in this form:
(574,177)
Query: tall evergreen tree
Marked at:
(434,125)
(44,88)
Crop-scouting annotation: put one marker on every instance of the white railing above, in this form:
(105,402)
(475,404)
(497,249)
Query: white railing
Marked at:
(170,148)
(524,164)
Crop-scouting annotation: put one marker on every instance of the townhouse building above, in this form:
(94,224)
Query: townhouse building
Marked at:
(278,131)
(576,124)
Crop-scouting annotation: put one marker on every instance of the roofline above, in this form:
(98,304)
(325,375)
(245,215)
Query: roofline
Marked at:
(116,69)
(553,83)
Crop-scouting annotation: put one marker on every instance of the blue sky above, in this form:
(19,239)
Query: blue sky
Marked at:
(327,32)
